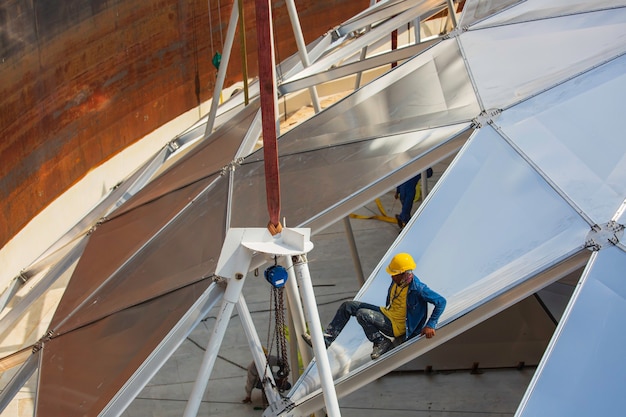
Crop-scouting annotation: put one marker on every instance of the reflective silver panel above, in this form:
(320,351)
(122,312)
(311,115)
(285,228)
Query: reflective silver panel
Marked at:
(541,9)
(583,372)
(585,160)
(558,48)
(430,90)
(490,223)
(310,178)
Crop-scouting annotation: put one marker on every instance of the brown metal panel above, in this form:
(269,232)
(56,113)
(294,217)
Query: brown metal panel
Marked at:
(122,267)
(205,159)
(82,370)
(161,260)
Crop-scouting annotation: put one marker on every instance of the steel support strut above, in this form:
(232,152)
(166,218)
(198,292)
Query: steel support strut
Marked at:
(303,277)
(263,369)
(231,297)
(221,72)
(295,307)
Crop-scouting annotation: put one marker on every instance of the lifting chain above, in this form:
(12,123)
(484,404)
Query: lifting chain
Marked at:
(281,340)
(276,275)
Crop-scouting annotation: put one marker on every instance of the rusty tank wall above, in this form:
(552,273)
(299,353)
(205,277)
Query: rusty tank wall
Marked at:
(80,80)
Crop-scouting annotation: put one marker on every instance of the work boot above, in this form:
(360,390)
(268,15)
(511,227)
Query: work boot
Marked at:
(307,339)
(399,221)
(380,347)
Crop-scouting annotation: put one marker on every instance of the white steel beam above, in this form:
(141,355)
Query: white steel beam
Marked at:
(221,72)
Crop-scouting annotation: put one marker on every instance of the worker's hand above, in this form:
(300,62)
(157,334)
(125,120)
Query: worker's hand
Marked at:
(428,332)
(396,195)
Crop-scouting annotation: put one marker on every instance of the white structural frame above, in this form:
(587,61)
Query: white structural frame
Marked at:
(234,263)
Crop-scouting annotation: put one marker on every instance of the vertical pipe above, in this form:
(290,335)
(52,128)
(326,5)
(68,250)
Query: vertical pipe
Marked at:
(319,347)
(394,45)
(221,72)
(294,364)
(231,297)
(452,14)
(416,28)
(354,251)
(244,51)
(295,307)
(302,51)
(359,75)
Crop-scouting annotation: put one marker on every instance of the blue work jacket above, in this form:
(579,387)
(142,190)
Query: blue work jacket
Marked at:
(417,299)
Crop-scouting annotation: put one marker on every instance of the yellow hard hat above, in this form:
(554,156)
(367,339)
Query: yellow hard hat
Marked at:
(400,263)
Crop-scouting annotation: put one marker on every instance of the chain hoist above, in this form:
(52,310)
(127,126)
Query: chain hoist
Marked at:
(277,276)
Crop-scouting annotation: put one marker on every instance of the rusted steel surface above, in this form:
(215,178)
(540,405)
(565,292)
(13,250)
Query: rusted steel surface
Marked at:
(80,80)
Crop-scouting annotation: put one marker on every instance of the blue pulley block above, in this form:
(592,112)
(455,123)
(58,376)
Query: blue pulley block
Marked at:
(276,275)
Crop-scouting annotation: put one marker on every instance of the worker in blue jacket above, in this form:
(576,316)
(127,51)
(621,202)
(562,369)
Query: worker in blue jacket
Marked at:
(406,193)
(404,316)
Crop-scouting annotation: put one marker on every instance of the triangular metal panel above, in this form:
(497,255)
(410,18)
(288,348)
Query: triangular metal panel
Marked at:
(583,371)
(490,223)
(314,180)
(498,58)
(499,220)
(114,242)
(205,159)
(171,254)
(587,161)
(430,90)
(82,370)
(542,9)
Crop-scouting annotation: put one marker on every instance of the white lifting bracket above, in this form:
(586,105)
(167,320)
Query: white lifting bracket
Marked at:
(600,236)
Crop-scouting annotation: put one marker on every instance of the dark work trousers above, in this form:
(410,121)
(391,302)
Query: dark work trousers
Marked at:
(369,316)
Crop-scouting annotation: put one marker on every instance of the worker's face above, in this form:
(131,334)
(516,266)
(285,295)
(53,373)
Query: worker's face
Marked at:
(402,279)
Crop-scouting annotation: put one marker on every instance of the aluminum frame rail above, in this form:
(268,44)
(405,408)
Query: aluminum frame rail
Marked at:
(19,379)
(355,67)
(421,10)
